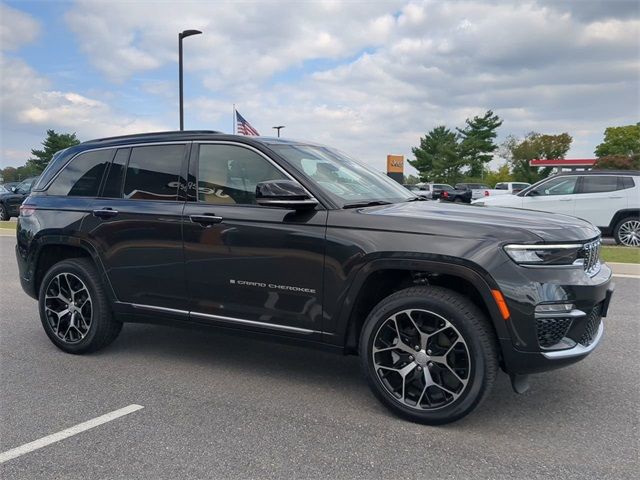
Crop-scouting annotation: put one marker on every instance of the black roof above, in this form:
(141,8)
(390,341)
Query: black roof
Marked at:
(602,172)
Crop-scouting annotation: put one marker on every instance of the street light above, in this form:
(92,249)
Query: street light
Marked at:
(278,129)
(181,35)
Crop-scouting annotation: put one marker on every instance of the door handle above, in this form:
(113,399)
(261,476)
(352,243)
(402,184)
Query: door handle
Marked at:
(205,220)
(565,199)
(615,197)
(105,213)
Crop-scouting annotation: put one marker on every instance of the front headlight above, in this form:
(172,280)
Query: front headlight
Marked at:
(560,254)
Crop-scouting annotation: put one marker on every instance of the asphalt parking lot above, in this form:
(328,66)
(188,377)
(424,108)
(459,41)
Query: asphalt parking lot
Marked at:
(221,406)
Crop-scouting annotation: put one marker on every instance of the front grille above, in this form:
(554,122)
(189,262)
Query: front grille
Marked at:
(592,324)
(551,330)
(590,255)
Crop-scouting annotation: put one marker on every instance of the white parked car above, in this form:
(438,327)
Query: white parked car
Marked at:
(504,188)
(608,199)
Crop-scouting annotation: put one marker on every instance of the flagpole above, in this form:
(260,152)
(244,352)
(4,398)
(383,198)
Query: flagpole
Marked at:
(234,119)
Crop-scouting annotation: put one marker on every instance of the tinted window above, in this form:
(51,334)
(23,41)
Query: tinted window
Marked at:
(599,183)
(113,183)
(627,182)
(228,174)
(82,176)
(502,186)
(153,172)
(558,186)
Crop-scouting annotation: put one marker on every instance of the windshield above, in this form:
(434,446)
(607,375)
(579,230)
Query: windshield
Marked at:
(3,190)
(341,177)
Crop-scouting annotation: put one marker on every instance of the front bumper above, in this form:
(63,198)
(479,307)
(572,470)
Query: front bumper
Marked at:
(539,342)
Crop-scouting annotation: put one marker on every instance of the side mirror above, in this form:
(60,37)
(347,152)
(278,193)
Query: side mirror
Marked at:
(13,189)
(533,193)
(284,194)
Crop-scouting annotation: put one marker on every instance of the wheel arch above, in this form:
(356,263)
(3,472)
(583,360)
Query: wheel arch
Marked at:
(622,214)
(53,249)
(380,278)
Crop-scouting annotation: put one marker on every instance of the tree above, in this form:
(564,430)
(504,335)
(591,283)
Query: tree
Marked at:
(501,175)
(618,162)
(620,141)
(477,142)
(53,143)
(518,153)
(438,157)
(411,180)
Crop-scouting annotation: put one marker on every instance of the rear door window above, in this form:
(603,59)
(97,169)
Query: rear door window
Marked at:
(599,183)
(82,176)
(153,172)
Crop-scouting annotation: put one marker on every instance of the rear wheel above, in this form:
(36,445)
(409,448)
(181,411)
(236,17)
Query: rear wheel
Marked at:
(4,213)
(429,354)
(627,232)
(74,308)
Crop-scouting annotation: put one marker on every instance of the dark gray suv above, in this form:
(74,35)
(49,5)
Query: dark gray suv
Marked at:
(298,242)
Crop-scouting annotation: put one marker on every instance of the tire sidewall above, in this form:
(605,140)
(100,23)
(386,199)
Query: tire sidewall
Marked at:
(97,306)
(476,385)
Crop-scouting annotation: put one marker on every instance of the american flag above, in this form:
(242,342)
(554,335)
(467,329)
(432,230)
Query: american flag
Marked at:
(243,127)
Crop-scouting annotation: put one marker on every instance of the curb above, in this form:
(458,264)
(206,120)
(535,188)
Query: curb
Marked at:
(625,268)
(7,232)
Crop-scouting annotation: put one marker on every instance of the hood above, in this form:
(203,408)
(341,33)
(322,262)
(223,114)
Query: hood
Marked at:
(505,224)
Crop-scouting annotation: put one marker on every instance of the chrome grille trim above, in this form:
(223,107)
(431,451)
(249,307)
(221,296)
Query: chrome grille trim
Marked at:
(590,254)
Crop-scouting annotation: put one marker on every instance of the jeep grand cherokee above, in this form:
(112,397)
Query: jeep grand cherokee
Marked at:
(300,242)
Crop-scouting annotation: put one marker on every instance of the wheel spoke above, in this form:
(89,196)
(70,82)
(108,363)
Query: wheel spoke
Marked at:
(69,322)
(414,375)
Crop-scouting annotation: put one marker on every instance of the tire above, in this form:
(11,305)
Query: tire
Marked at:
(458,200)
(4,213)
(627,232)
(90,325)
(458,336)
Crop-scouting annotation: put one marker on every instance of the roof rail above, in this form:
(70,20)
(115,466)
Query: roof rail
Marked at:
(150,134)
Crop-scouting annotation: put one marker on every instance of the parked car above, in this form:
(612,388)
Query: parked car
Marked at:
(509,187)
(300,242)
(470,191)
(437,190)
(10,185)
(10,200)
(419,190)
(504,188)
(608,199)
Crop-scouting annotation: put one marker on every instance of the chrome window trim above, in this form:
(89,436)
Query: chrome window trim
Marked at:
(114,147)
(241,321)
(255,150)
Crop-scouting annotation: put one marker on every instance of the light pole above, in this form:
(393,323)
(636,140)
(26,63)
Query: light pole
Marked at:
(181,35)
(278,128)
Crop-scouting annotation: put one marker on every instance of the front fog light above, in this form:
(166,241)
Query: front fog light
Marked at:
(554,308)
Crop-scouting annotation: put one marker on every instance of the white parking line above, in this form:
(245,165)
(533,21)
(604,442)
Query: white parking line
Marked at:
(69,432)
(624,275)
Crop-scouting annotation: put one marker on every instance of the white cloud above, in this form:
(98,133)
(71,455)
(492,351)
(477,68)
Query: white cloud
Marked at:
(392,70)
(16,28)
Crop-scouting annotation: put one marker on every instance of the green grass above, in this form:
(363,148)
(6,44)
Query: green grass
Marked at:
(8,225)
(620,254)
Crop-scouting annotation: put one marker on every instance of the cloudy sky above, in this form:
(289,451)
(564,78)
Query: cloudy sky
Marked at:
(368,77)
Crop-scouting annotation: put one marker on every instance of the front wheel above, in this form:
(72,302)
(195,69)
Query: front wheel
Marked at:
(4,213)
(74,308)
(627,232)
(429,354)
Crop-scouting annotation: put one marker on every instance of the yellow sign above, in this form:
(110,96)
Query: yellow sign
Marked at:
(395,163)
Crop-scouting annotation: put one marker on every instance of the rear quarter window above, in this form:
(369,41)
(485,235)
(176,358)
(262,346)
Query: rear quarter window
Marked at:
(81,177)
